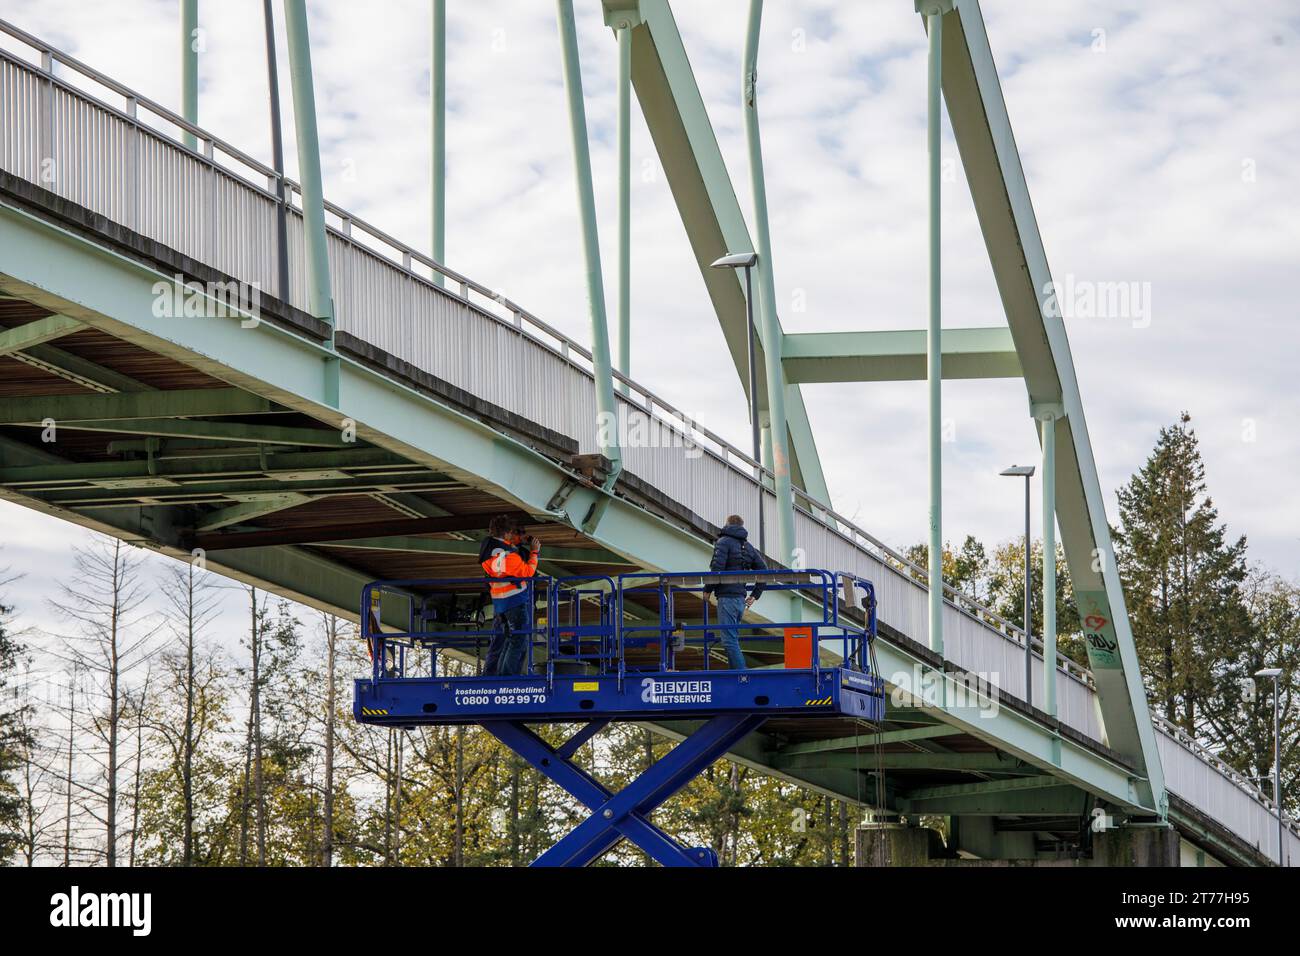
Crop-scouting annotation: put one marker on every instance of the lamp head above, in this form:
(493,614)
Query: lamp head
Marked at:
(736,260)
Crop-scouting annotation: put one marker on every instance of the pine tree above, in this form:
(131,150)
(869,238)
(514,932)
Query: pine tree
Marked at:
(1182,578)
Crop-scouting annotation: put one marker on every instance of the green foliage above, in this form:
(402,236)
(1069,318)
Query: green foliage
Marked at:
(1241,729)
(1182,580)
(1006,590)
(998,582)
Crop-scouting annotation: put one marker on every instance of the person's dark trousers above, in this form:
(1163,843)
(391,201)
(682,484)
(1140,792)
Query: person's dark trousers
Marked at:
(505,656)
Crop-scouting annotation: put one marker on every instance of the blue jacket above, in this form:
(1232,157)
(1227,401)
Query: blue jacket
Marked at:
(733,552)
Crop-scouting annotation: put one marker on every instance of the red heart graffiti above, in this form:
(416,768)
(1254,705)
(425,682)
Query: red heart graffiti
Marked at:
(1094,622)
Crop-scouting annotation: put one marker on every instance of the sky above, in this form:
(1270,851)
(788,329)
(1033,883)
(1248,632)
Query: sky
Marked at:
(1159,146)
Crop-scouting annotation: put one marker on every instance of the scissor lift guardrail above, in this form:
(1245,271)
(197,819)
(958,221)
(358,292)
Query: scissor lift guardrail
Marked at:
(601,649)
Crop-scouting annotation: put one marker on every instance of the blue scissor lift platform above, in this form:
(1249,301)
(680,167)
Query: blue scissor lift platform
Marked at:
(602,649)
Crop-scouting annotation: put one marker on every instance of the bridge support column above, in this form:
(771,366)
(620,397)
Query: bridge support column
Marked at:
(190,67)
(320,302)
(607,427)
(1154,845)
(438,144)
(776,434)
(624,30)
(934,11)
(894,844)
(1047,416)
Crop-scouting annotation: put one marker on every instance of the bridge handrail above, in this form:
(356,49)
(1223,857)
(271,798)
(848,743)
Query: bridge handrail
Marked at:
(1206,755)
(825,514)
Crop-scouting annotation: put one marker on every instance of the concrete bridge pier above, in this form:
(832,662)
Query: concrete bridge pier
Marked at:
(976,841)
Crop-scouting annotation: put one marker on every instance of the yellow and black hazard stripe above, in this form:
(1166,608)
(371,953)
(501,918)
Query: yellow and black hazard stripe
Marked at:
(817,703)
(373,712)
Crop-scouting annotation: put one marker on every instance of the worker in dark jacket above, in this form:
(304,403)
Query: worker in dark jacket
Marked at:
(733,552)
(508,553)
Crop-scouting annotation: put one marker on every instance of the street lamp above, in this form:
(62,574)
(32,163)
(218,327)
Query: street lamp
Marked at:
(1026,472)
(1275,673)
(747,261)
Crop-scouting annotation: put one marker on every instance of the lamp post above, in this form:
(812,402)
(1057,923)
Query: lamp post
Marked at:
(1026,472)
(1275,673)
(747,261)
(277,159)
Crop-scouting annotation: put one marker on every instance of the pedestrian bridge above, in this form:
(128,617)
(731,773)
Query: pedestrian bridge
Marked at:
(246,433)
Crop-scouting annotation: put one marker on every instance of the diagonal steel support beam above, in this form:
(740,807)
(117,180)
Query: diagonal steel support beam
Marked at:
(35,333)
(982,128)
(248,510)
(73,368)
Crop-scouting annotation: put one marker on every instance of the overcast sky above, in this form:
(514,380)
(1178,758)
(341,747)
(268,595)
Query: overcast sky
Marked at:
(1160,145)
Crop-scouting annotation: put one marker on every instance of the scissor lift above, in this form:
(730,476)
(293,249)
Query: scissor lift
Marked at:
(603,649)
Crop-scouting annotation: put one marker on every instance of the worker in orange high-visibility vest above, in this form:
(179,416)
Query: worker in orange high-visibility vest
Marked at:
(508,553)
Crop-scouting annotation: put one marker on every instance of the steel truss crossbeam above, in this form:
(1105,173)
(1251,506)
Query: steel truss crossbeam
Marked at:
(626,814)
(166,491)
(469,548)
(259,434)
(246,465)
(897,356)
(66,409)
(1021,796)
(312,534)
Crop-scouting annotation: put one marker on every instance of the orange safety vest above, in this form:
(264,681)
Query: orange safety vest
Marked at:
(505,562)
